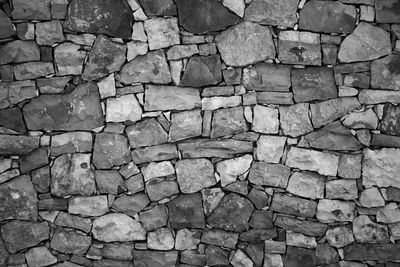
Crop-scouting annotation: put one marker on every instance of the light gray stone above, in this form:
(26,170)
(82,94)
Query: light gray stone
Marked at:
(160,239)
(366,231)
(294,119)
(194,175)
(162,32)
(267,77)
(335,211)
(69,59)
(268,174)
(341,189)
(40,256)
(71,143)
(185,124)
(340,236)
(371,198)
(306,184)
(265,120)
(88,206)
(123,108)
(230,169)
(270,148)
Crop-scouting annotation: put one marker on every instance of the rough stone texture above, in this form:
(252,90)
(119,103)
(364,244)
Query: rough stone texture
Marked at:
(123,108)
(228,122)
(267,77)
(146,133)
(390,121)
(273,12)
(110,150)
(306,184)
(194,175)
(202,71)
(385,73)
(387,11)
(268,174)
(19,51)
(294,120)
(161,32)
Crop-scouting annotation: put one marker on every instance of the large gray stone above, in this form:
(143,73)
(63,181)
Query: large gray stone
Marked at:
(194,175)
(6,26)
(385,73)
(186,124)
(162,32)
(293,205)
(12,93)
(267,77)
(228,122)
(88,206)
(69,59)
(31,10)
(154,153)
(110,150)
(33,70)
(131,204)
(268,174)
(202,71)
(18,144)
(390,123)
(158,7)
(70,242)
(19,51)
(155,258)
(71,143)
(146,133)
(40,256)
(186,211)
(294,119)
(329,211)
(372,252)
(306,184)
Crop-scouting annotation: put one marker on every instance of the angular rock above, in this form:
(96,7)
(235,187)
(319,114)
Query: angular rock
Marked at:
(228,121)
(385,73)
(276,98)
(299,48)
(88,206)
(162,32)
(270,148)
(267,77)
(329,17)
(240,259)
(69,59)
(158,189)
(325,254)
(388,214)
(155,258)
(294,120)
(301,226)
(19,51)
(146,133)
(32,70)
(230,169)
(265,120)
(11,118)
(271,260)
(70,242)
(341,189)
(293,205)
(325,112)
(160,239)
(71,174)
(17,144)
(53,85)
(18,235)
(306,184)
(36,159)
(390,123)
(6,28)
(136,49)
(268,174)
(178,52)
(123,108)
(245,43)
(186,124)
(211,199)
(40,256)
(171,98)
(202,71)
(300,240)
(335,211)
(77,110)
(66,220)
(361,120)
(296,257)
(199,17)
(155,170)
(186,211)
(105,57)
(71,143)
(372,252)
(273,12)
(15,92)
(110,181)
(97,16)
(31,10)
(260,199)
(116,251)
(131,204)
(365,43)
(154,153)
(378,96)
(158,7)
(313,84)
(49,33)
(366,231)
(340,236)
(110,150)
(387,11)
(187,239)
(150,68)
(216,102)
(194,174)
(371,197)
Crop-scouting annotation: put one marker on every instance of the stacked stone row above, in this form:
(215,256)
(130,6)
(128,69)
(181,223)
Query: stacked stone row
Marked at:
(199,133)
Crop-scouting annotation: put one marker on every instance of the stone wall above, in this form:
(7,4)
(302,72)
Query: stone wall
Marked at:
(164,133)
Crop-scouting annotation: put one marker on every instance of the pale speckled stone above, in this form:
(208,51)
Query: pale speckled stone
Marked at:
(340,236)
(162,32)
(265,120)
(123,108)
(335,211)
(230,169)
(371,197)
(306,184)
(270,148)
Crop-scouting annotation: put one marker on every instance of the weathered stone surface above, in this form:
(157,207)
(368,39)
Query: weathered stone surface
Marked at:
(313,84)
(361,120)
(231,214)
(105,57)
(230,169)
(299,48)
(154,153)
(268,174)
(380,167)
(136,49)
(194,175)
(154,218)
(158,7)
(296,257)
(228,121)
(66,220)
(11,118)
(370,252)
(186,124)
(220,238)
(158,189)
(65,112)
(186,211)
(265,120)
(340,236)
(273,12)
(388,214)
(270,148)
(131,204)
(213,103)
(71,174)
(204,16)
(17,144)
(371,197)
(202,71)
(36,10)
(271,259)
(53,85)
(378,96)
(171,98)
(88,206)
(71,143)
(96,16)
(276,98)
(187,239)
(325,254)
(149,68)
(366,231)
(387,11)
(15,92)
(155,258)
(245,43)
(49,33)
(365,43)
(110,150)
(325,112)
(267,77)
(18,52)
(385,73)
(123,108)
(306,184)
(310,228)
(33,70)
(69,59)
(117,227)
(6,28)
(341,189)
(293,205)
(162,32)
(18,235)
(36,159)
(300,240)
(40,256)
(146,133)
(211,199)
(335,211)
(294,120)
(18,199)
(390,123)
(329,17)
(155,170)
(70,242)
(160,239)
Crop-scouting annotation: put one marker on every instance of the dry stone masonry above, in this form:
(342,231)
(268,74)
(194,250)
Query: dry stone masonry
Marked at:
(163,133)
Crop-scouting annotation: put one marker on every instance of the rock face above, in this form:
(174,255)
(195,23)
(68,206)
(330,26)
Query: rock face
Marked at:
(385,74)
(230,169)
(186,211)
(6,28)
(387,11)
(17,144)
(146,133)
(110,150)
(185,124)
(245,43)
(65,112)
(272,12)
(161,32)
(267,77)
(123,108)
(19,51)
(194,175)
(15,92)
(202,71)
(228,122)
(295,120)
(204,16)
(96,16)
(37,10)
(391,120)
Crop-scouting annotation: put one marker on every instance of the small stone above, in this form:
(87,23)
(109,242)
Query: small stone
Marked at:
(36,159)
(236,6)
(300,240)
(187,239)
(40,256)
(155,258)
(155,170)
(131,204)
(202,71)
(306,184)
(228,121)
(70,242)
(186,211)
(123,108)
(294,120)
(18,235)
(11,118)
(160,239)
(32,70)
(49,33)
(109,182)
(272,260)
(240,259)
(270,148)
(361,120)
(199,17)
(66,220)
(232,76)
(299,48)
(349,166)
(341,189)
(340,236)
(154,218)
(230,169)
(88,206)
(110,150)
(329,17)
(325,254)
(313,84)
(211,199)
(171,98)
(293,205)
(154,153)
(268,174)
(71,143)
(389,214)
(107,87)
(335,211)
(158,189)
(384,73)
(15,92)
(387,11)
(69,59)
(32,10)
(260,199)
(265,120)
(365,43)
(301,226)
(194,175)
(272,12)
(299,257)
(19,52)
(267,77)
(366,231)
(96,16)
(245,43)
(161,32)
(186,124)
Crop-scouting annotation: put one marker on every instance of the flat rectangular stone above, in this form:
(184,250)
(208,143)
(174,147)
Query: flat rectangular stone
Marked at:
(372,97)
(221,148)
(276,98)
(301,226)
(71,143)
(293,205)
(267,77)
(384,140)
(372,252)
(33,70)
(17,144)
(160,97)
(218,91)
(361,2)
(154,153)
(269,174)
(220,238)
(217,102)
(14,92)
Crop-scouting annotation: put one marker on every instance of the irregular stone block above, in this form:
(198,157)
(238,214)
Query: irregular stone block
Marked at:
(154,153)
(131,204)
(31,10)
(230,169)
(19,51)
(293,205)
(265,120)
(306,184)
(366,231)
(40,256)
(18,144)
(276,98)
(12,93)
(329,211)
(270,148)
(49,33)
(162,32)
(52,85)
(70,242)
(123,108)
(294,119)
(186,211)
(310,228)
(339,236)
(202,71)
(69,59)
(158,7)
(372,97)
(158,189)
(267,77)
(71,143)
(194,175)
(385,73)
(341,189)
(390,123)
(362,120)
(228,122)
(220,238)
(387,11)
(146,133)
(372,252)
(6,28)
(186,124)
(268,174)
(155,258)
(88,206)
(32,70)
(66,220)
(34,160)
(110,150)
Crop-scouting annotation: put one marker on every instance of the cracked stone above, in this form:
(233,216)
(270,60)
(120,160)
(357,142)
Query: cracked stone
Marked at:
(340,236)
(371,197)
(202,71)
(230,169)
(186,124)
(268,174)
(178,52)
(366,231)
(33,70)
(211,199)
(15,92)
(194,175)
(19,52)
(146,133)
(335,211)
(34,160)
(109,181)
(310,228)
(70,242)
(273,12)
(71,143)
(88,206)
(154,218)
(294,119)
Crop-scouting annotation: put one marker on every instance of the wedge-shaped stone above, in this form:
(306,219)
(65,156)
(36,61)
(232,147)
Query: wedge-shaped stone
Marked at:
(307,184)
(18,144)
(341,189)
(293,205)
(66,220)
(329,211)
(18,52)
(365,43)
(325,112)
(228,121)
(329,17)
(88,206)
(273,12)
(97,16)
(194,175)
(110,150)
(379,96)
(202,16)
(186,211)
(294,119)
(11,118)
(202,71)
(171,98)
(267,77)
(78,110)
(387,11)
(186,124)
(385,73)
(366,119)
(154,153)
(245,43)
(146,133)
(149,68)
(71,143)
(230,169)
(40,256)
(313,84)
(312,160)
(372,252)
(310,228)
(268,174)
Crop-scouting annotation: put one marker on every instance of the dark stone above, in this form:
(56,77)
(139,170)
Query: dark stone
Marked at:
(352,67)
(261,219)
(217,256)
(4,255)
(231,214)
(19,51)
(70,242)
(155,258)
(105,57)
(313,84)
(15,92)
(18,144)
(66,220)
(258,235)
(390,123)
(220,238)
(109,182)
(113,18)
(393,194)
(202,71)
(158,188)
(293,205)
(384,140)
(131,205)
(146,133)
(299,257)
(77,110)
(154,153)
(154,218)
(267,77)
(325,254)
(11,118)
(18,235)
(158,7)
(387,11)
(36,159)
(46,54)
(186,211)
(301,226)
(259,198)
(329,54)
(51,204)
(228,121)
(202,16)
(232,76)
(358,80)
(372,252)
(193,258)
(269,174)
(256,253)
(6,27)
(385,73)
(110,150)
(41,179)
(31,10)
(239,187)
(328,16)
